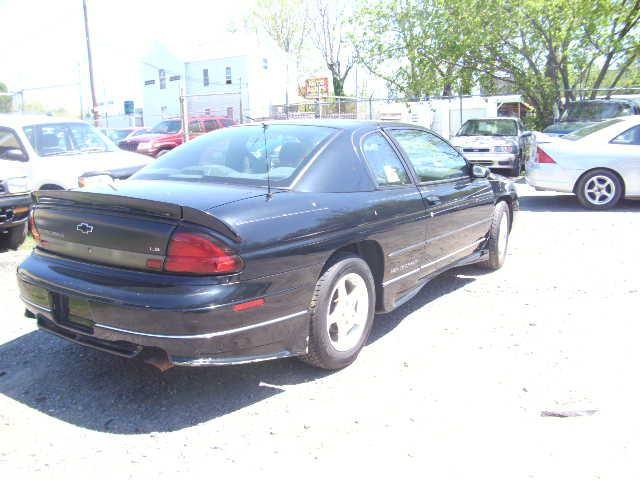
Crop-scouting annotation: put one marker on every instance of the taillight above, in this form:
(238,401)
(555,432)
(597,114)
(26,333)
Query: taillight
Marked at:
(32,223)
(543,157)
(197,253)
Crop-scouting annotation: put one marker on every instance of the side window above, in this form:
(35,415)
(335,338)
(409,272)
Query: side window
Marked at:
(210,125)
(431,157)
(385,164)
(8,141)
(195,127)
(630,137)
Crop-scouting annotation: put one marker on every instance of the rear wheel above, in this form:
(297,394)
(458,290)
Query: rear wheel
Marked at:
(342,310)
(498,237)
(599,189)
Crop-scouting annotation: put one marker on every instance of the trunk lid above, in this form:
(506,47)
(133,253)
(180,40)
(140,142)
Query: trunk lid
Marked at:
(127,231)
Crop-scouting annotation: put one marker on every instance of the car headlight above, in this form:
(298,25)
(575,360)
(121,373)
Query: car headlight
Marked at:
(95,180)
(144,146)
(504,149)
(18,185)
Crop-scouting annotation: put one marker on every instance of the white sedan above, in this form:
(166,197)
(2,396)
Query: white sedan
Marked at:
(599,163)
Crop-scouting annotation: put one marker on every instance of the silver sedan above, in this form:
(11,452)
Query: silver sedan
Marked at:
(600,163)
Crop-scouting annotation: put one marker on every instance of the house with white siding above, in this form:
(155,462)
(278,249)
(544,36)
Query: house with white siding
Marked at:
(239,76)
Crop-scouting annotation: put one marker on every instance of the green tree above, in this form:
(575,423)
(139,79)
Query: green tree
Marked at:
(6,101)
(285,21)
(551,51)
(330,35)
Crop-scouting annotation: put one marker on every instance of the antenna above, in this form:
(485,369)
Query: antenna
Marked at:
(266,157)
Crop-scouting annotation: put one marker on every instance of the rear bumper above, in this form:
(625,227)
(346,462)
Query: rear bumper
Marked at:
(134,313)
(14,210)
(552,177)
(491,159)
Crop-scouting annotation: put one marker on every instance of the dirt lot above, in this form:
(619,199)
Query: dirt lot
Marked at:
(452,385)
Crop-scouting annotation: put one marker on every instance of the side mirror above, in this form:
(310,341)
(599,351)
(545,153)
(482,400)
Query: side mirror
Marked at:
(14,154)
(478,171)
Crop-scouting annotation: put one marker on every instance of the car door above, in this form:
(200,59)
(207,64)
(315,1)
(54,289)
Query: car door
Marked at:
(459,206)
(399,209)
(624,150)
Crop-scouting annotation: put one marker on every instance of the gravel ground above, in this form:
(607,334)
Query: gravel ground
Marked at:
(457,383)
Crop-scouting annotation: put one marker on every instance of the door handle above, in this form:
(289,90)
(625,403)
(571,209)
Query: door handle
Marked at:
(434,200)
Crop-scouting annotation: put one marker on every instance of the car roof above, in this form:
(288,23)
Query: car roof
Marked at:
(18,120)
(341,124)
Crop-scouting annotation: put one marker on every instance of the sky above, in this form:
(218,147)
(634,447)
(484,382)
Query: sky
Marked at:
(43,42)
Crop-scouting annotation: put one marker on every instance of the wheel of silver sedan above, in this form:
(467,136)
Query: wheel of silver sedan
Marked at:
(348,312)
(599,190)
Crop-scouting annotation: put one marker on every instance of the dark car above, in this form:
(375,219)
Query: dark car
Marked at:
(583,113)
(168,134)
(262,241)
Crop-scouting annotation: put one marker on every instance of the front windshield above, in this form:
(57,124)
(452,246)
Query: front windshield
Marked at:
(584,131)
(594,111)
(67,139)
(240,155)
(497,128)
(168,126)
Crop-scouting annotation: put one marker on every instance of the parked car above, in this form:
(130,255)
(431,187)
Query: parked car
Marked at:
(168,134)
(499,143)
(583,113)
(599,163)
(60,154)
(212,255)
(14,193)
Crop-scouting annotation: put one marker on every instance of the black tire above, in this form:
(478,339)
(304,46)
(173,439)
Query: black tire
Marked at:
(321,352)
(14,237)
(599,177)
(517,168)
(497,255)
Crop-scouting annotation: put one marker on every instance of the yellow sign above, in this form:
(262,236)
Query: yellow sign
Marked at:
(316,86)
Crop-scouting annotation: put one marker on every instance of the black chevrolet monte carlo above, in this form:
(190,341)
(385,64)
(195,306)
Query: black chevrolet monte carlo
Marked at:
(261,241)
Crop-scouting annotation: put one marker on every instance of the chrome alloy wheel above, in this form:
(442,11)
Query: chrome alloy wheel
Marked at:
(348,312)
(503,236)
(599,190)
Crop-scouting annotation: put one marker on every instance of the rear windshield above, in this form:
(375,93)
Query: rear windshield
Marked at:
(594,111)
(240,155)
(168,126)
(498,128)
(584,131)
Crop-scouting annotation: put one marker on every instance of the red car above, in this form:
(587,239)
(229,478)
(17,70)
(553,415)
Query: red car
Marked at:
(168,134)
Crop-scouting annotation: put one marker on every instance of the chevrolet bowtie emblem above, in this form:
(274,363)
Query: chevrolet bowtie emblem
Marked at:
(84,228)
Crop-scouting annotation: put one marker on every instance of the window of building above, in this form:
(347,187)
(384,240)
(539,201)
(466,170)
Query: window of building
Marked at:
(207,111)
(385,164)
(227,74)
(163,111)
(205,77)
(162,79)
(229,112)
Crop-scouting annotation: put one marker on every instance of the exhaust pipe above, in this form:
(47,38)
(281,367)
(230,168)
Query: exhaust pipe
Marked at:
(156,357)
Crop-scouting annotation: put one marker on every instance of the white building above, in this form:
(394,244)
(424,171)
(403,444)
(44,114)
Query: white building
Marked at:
(238,76)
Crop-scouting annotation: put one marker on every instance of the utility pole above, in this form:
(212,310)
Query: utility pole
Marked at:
(94,104)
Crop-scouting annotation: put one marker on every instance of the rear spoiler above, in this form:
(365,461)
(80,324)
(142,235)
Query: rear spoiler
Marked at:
(128,204)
